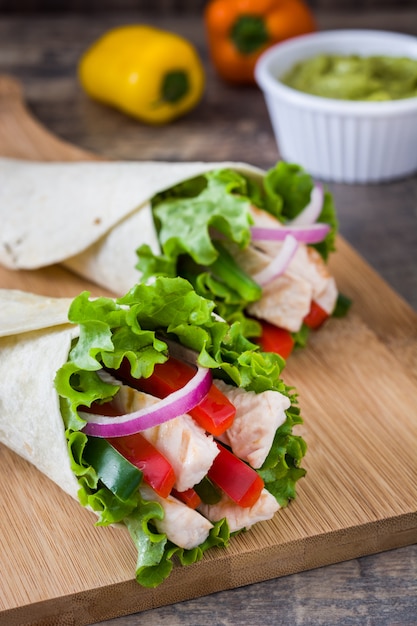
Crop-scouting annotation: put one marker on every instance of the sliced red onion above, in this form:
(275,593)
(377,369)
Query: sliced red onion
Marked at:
(279,264)
(177,403)
(304,234)
(311,212)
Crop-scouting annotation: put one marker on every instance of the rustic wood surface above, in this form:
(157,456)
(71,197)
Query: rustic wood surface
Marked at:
(380,221)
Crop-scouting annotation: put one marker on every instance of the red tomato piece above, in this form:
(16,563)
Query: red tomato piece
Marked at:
(316,316)
(275,339)
(189,497)
(107,408)
(156,469)
(237,479)
(215,413)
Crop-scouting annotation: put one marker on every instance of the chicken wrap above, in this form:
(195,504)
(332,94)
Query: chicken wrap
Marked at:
(254,242)
(258,247)
(153,412)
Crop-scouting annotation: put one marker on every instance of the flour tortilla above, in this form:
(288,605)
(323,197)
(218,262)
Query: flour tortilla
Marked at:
(30,419)
(89,216)
(21,311)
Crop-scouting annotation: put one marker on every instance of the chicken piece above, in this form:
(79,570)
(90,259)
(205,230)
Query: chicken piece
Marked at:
(327,299)
(263,218)
(258,415)
(183,526)
(187,447)
(241,517)
(324,285)
(184,443)
(308,264)
(251,259)
(286,300)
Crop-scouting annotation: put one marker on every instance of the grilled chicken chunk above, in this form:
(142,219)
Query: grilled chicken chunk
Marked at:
(258,415)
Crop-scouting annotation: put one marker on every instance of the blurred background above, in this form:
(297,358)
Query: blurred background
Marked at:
(41,43)
(177,6)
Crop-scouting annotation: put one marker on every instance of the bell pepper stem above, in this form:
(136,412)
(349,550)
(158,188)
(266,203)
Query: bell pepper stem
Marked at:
(249,33)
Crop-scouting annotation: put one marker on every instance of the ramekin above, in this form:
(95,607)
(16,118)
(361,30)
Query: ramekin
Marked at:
(340,140)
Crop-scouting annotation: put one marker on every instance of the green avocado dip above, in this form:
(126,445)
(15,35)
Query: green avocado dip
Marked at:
(354,77)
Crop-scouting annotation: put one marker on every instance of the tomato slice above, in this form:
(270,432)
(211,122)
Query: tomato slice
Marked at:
(316,316)
(157,470)
(237,479)
(215,413)
(275,339)
(189,497)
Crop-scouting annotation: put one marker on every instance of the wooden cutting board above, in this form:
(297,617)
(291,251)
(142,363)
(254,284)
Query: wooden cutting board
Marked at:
(357,389)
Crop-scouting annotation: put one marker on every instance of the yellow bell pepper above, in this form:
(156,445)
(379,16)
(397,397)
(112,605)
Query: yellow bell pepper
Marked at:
(148,73)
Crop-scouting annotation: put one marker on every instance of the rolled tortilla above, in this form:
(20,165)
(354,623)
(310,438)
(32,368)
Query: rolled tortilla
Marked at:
(29,358)
(88,216)
(36,339)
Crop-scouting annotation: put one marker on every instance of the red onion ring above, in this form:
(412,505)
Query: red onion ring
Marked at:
(279,264)
(313,233)
(311,212)
(177,403)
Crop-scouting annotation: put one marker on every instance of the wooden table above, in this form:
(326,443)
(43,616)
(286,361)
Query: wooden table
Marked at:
(380,221)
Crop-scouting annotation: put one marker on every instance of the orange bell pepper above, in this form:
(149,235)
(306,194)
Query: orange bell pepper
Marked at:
(238,31)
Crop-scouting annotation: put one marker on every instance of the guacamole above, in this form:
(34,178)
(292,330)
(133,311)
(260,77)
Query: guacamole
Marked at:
(354,77)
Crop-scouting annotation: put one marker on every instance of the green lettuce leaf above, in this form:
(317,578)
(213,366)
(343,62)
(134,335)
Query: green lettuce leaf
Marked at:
(288,188)
(281,469)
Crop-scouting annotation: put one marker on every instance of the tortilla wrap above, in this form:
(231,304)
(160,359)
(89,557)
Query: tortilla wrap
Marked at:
(88,216)
(35,339)
(43,372)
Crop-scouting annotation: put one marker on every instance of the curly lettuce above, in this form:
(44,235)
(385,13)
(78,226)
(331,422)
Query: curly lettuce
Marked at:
(135,327)
(194,217)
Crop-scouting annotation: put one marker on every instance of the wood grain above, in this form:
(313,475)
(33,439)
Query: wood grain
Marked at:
(22,137)
(358,396)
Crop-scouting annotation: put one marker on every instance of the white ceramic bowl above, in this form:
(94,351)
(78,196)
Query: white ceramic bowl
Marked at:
(340,140)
